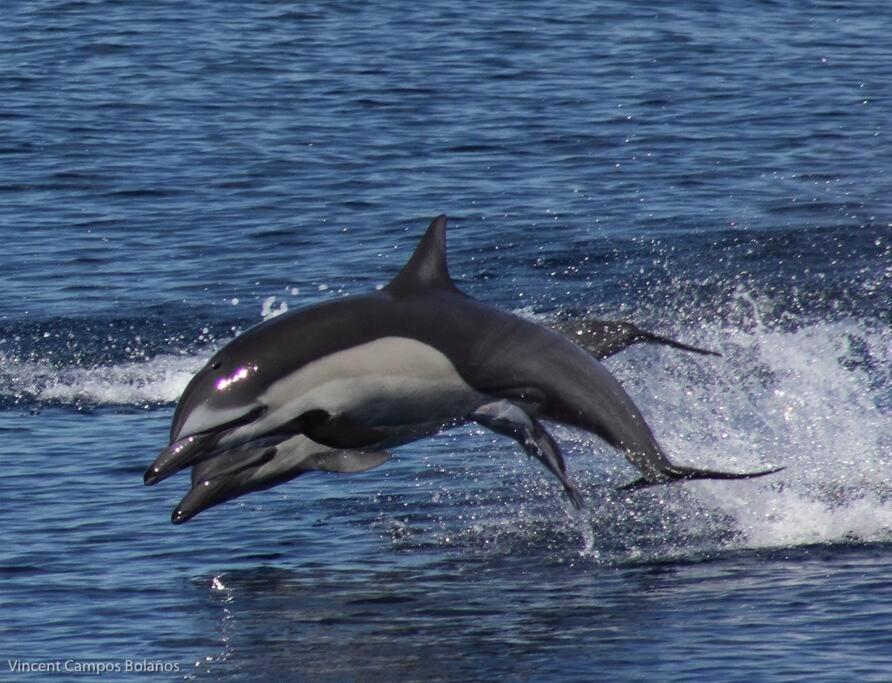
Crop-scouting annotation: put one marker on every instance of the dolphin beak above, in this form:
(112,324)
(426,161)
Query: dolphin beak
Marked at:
(203,495)
(179,454)
(220,481)
(190,449)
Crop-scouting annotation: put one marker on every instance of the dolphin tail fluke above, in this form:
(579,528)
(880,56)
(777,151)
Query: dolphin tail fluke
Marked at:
(604,338)
(577,500)
(667,341)
(681,473)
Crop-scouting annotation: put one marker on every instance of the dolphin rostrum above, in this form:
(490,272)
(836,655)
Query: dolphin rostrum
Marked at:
(365,373)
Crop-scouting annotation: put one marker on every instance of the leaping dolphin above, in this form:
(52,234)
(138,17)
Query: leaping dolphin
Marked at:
(365,373)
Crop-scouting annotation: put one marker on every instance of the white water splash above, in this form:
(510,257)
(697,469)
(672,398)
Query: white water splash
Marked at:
(269,309)
(158,380)
(810,400)
(821,416)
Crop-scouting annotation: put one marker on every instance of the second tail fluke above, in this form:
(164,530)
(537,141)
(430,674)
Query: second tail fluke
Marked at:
(681,473)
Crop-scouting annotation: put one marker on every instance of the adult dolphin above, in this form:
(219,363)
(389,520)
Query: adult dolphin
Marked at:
(238,472)
(364,373)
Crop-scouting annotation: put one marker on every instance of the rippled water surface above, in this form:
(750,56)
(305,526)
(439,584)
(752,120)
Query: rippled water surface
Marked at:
(171,173)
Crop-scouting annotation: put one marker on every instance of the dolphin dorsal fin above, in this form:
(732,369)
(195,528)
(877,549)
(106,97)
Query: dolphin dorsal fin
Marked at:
(427,267)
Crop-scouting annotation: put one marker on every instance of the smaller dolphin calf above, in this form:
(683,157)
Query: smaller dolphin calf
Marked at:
(365,373)
(241,471)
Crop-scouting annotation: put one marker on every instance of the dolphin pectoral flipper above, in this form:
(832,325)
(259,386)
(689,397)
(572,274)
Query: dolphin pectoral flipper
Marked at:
(508,419)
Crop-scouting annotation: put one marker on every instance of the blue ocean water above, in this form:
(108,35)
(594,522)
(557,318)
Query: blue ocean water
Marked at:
(171,173)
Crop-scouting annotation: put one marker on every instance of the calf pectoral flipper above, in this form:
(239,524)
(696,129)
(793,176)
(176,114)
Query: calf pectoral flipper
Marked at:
(508,419)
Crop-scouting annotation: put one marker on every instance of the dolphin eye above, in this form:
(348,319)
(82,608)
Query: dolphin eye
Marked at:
(216,366)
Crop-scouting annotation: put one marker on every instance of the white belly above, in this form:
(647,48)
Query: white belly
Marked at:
(390,382)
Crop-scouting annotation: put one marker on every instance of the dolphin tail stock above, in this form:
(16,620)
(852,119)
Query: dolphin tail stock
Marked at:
(580,392)
(682,473)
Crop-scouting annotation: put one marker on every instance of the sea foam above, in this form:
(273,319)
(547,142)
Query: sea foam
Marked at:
(154,381)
